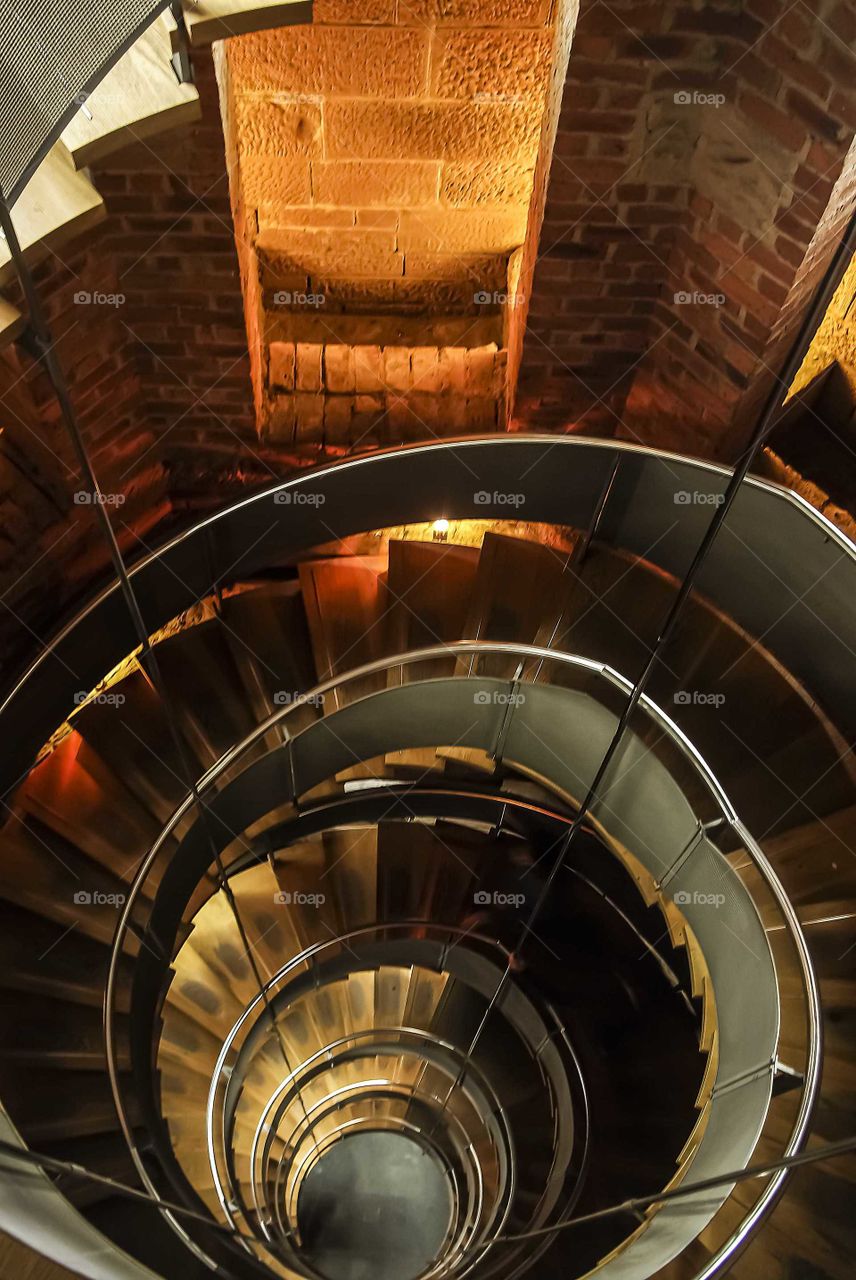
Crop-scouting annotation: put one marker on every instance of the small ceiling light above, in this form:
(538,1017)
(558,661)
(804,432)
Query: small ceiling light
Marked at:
(440,530)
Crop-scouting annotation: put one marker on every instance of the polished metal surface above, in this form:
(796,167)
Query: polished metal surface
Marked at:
(770,541)
(742,1093)
(775,545)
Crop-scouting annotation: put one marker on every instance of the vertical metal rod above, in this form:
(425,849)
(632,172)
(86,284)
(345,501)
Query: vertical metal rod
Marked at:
(181,64)
(582,549)
(47,355)
(578,554)
(796,354)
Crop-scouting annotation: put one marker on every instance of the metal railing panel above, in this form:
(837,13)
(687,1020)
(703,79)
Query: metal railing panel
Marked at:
(563,478)
(35,1212)
(732,1131)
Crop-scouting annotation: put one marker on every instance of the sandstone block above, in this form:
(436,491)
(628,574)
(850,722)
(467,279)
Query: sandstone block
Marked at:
(353,11)
(425,366)
(403,421)
(425,410)
(470,231)
(481,414)
(338,412)
(436,297)
(281,364)
(281,419)
(354,61)
(396,368)
(377,218)
(474,185)
(342,294)
(433,131)
(479,13)
(396,184)
(275,180)
(308,411)
(276,217)
(368,418)
(308,366)
(452,416)
(492,66)
(480,371)
(277,127)
(331,252)
(479,272)
(453,370)
(339,368)
(368,368)
(399,417)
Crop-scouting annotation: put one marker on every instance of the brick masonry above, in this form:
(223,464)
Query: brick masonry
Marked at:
(648,197)
(698,149)
(383,165)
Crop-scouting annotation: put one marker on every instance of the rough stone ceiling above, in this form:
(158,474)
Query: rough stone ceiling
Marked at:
(383,168)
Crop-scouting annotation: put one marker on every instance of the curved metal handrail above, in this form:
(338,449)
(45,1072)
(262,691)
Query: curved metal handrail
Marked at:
(321,1059)
(181,588)
(415,1134)
(387,1090)
(810,1089)
(420,1036)
(306,957)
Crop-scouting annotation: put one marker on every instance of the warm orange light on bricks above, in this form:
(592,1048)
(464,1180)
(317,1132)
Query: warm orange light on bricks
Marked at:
(384,162)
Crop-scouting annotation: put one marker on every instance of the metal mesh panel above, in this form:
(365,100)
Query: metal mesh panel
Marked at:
(50,54)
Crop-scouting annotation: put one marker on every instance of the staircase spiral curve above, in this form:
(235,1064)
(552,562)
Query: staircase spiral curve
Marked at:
(309,935)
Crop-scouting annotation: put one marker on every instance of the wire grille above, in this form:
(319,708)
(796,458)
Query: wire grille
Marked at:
(51,55)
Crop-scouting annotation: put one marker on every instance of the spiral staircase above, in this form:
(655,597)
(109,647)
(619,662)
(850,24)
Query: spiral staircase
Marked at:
(307,938)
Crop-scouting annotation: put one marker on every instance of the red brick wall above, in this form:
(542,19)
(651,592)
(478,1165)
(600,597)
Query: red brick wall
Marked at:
(610,348)
(172,239)
(162,382)
(49,544)
(158,374)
